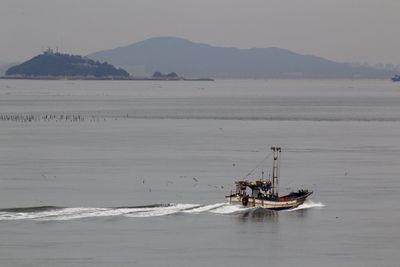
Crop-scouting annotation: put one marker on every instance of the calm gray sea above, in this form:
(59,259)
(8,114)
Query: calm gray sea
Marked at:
(129,173)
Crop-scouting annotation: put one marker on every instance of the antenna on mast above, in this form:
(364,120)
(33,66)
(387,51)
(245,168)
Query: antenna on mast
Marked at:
(276,154)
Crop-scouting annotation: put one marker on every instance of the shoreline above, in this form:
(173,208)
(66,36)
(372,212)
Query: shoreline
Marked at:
(72,78)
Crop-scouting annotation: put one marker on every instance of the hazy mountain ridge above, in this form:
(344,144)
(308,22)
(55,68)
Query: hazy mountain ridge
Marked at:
(191,59)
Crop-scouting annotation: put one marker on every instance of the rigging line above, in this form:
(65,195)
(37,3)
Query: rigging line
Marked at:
(258,165)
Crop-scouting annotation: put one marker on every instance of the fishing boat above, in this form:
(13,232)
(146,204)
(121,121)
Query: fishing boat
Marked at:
(264,193)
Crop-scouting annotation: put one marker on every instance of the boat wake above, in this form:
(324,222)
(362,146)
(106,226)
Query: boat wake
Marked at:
(308,204)
(52,213)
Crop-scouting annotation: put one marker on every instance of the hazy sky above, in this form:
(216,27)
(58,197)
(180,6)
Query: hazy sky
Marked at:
(342,30)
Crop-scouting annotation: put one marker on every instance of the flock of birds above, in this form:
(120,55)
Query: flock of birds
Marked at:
(196,181)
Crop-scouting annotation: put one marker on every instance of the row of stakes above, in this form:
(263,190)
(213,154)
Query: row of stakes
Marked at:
(46,117)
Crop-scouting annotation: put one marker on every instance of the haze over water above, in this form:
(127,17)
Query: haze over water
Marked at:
(135,173)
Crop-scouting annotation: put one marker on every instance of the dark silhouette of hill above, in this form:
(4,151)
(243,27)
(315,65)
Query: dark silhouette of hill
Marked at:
(190,59)
(5,66)
(51,64)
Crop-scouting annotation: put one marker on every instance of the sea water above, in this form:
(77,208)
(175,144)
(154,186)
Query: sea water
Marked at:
(129,173)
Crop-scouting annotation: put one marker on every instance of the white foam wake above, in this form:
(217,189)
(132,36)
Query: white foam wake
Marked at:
(61,214)
(203,208)
(308,204)
(161,211)
(231,209)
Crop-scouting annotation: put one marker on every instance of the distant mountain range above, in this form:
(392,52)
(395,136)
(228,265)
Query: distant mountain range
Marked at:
(167,54)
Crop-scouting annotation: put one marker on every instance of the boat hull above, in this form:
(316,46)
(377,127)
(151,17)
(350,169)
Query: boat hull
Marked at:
(281,203)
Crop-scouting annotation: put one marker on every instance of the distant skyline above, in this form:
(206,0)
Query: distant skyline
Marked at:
(340,30)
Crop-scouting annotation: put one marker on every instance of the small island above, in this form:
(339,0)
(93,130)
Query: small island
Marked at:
(172,76)
(52,65)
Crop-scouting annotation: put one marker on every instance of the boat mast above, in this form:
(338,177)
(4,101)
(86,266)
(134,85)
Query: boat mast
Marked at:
(275,169)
